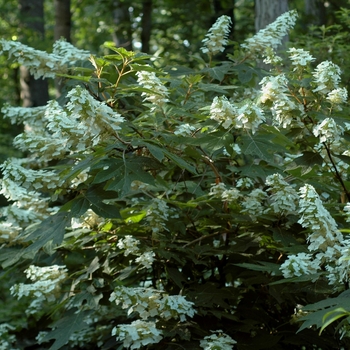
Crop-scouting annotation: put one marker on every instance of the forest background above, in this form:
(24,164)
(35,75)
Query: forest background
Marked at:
(171,32)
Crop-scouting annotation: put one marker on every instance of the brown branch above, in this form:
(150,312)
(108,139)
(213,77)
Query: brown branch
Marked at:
(336,171)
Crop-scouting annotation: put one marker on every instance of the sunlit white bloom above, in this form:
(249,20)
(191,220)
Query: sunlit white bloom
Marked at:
(249,117)
(314,216)
(218,341)
(84,122)
(184,129)
(216,39)
(158,93)
(129,244)
(272,87)
(286,111)
(9,231)
(328,131)
(137,334)
(88,220)
(338,96)
(284,198)
(146,259)
(222,111)
(272,35)
(300,58)
(299,265)
(326,77)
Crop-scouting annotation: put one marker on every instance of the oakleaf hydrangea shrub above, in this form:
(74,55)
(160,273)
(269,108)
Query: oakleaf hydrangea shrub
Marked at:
(161,210)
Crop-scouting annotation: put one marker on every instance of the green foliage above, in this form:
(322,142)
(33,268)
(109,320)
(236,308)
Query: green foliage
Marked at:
(177,201)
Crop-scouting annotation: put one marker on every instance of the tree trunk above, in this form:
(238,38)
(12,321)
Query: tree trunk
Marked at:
(146,24)
(315,12)
(122,35)
(33,92)
(62,30)
(266,11)
(62,19)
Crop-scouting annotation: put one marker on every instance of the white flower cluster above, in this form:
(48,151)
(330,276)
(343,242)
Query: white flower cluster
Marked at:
(158,214)
(68,52)
(130,246)
(149,302)
(254,203)
(32,180)
(146,259)
(337,97)
(219,341)
(46,286)
(40,63)
(25,187)
(157,94)
(222,111)
(326,77)
(248,116)
(315,217)
(7,340)
(184,129)
(216,38)
(217,189)
(81,124)
(284,198)
(271,36)
(300,265)
(245,183)
(328,249)
(225,194)
(9,231)
(137,334)
(33,115)
(28,207)
(284,109)
(328,131)
(88,121)
(87,221)
(300,58)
